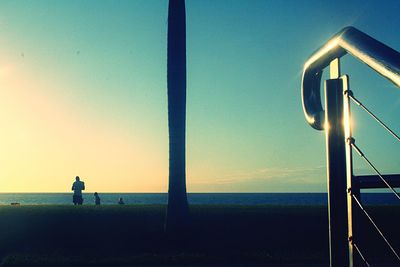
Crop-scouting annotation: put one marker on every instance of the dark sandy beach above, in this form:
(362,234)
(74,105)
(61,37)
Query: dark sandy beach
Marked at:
(221,235)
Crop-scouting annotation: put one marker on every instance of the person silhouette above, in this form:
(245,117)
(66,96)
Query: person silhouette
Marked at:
(77,187)
(121,201)
(96,198)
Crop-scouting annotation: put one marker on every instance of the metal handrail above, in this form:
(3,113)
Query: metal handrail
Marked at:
(378,56)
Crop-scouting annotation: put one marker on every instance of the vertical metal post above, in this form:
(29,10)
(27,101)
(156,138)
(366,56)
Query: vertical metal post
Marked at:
(352,188)
(336,169)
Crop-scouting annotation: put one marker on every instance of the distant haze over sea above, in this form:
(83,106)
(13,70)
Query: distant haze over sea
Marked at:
(194,198)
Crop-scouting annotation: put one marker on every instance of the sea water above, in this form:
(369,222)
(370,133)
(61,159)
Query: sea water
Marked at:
(194,198)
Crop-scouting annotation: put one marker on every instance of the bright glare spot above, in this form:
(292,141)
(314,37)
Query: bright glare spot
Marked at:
(326,126)
(331,44)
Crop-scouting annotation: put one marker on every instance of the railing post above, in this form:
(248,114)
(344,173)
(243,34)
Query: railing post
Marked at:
(352,188)
(344,205)
(336,170)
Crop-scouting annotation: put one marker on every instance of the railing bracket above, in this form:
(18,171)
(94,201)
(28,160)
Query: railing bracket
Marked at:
(351,141)
(348,92)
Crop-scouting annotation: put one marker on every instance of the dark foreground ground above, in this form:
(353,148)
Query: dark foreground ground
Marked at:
(220,235)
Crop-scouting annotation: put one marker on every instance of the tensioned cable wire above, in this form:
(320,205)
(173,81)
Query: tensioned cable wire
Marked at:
(361,255)
(358,103)
(376,227)
(359,152)
(359,251)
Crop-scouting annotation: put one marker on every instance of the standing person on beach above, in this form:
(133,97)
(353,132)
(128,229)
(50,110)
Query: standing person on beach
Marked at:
(77,187)
(96,198)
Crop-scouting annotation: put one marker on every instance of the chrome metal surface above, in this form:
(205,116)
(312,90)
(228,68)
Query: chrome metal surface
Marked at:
(378,56)
(336,174)
(352,218)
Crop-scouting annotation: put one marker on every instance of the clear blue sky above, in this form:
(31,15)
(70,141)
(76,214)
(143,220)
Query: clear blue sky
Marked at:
(83,92)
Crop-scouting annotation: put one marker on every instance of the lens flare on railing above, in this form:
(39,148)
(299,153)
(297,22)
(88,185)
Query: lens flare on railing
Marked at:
(378,56)
(344,187)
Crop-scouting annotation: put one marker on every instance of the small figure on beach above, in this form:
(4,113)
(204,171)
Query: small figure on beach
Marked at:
(121,201)
(77,187)
(96,198)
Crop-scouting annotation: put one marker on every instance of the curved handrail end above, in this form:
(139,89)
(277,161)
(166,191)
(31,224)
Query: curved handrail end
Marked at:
(378,56)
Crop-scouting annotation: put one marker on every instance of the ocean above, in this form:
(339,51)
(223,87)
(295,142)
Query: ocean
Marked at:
(194,198)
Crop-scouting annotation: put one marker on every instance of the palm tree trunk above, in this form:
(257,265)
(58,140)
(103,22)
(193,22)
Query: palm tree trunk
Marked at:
(178,208)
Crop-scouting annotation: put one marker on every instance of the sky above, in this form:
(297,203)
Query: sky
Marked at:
(83,92)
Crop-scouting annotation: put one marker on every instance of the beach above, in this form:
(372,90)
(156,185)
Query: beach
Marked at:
(133,235)
(193,198)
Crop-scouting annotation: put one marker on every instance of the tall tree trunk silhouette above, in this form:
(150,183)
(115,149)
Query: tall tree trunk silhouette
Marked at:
(178,209)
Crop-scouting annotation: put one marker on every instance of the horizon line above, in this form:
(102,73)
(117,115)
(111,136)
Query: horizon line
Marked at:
(153,192)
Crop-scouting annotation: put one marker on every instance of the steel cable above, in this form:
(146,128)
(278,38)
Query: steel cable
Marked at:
(358,103)
(376,227)
(359,152)
(360,253)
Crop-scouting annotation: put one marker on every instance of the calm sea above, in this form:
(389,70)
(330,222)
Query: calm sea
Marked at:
(194,198)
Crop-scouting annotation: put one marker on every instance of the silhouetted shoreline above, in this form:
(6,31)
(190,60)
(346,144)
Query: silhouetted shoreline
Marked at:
(44,235)
(194,198)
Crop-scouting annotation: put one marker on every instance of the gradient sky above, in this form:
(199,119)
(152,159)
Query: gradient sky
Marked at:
(83,92)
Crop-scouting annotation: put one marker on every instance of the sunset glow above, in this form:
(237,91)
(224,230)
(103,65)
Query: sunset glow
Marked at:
(83,92)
